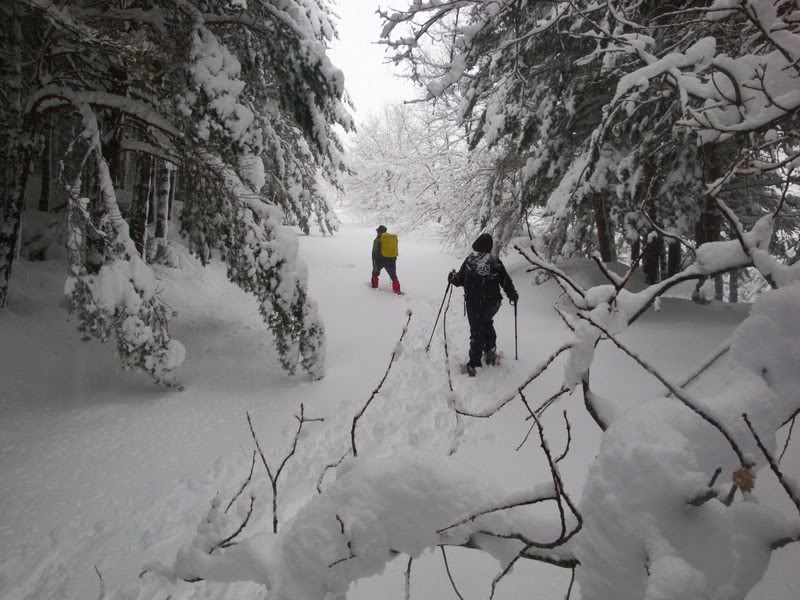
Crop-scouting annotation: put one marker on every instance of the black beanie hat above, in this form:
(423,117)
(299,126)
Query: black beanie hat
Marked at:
(381,229)
(484,243)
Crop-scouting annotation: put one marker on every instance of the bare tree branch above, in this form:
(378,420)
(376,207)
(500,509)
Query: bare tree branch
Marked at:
(350,552)
(535,499)
(377,389)
(562,278)
(676,391)
(328,467)
(588,402)
(571,583)
(225,543)
(244,485)
(569,439)
(449,574)
(101,594)
(785,483)
(788,439)
(408,578)
(301,420)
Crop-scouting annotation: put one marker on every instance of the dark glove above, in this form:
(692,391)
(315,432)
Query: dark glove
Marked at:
(513,297)
(451,276)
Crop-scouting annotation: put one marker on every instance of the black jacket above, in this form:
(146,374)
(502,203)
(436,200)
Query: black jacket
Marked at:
(482,276)
(377,259)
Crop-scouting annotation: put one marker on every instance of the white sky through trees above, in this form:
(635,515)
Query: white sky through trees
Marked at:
(369,80)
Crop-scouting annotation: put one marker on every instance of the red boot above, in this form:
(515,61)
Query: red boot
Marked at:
(396,286)
(374,282)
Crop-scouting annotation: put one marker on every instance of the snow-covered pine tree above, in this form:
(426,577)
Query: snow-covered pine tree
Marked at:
(164,86)
(278,104)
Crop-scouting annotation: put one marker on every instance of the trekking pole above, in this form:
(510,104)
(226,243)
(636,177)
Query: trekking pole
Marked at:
(516,351)
(447,289)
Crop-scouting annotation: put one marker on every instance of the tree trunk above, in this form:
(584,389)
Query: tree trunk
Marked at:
(112,148)
(173,188)
(155,177)
(605,239)
(651,261)
(44,193)
(95,243)
(733,285)
(707,228)
(15,161)
(19,154)
(162,204)
(140,203)
(719,288)
(674,258)
(636,249)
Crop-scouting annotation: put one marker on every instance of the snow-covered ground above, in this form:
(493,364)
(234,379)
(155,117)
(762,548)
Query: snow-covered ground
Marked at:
(99,467)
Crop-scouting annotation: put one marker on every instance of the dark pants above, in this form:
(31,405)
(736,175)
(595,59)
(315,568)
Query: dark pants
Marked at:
(482,336)
(390,264)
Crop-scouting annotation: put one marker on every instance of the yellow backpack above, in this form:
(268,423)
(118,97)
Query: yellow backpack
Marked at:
(389,245)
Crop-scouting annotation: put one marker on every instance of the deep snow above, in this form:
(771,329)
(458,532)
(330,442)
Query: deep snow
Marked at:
(100,467)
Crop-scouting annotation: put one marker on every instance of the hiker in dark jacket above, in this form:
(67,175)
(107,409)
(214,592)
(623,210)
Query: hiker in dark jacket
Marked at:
(382,262)
(482,276)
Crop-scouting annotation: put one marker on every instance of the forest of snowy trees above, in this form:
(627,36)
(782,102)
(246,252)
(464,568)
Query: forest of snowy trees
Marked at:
(236,103)
(663,135)
(600,122)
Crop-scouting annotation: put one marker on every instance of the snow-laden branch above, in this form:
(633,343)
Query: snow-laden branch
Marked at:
(675,390)
(387,507)
(53,96)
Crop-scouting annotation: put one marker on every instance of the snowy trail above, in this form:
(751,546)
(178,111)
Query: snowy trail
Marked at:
(100,467)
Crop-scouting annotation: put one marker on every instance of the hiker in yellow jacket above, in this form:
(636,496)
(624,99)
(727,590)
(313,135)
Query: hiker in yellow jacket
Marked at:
(384,256)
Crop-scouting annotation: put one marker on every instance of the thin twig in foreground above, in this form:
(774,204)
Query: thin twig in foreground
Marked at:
(408,578)
(377,389)
(788,439)
(449,574)
(676,391)
(301,420)
(102,592)
(228,540)
(787,486)
(569,439)
(244,485)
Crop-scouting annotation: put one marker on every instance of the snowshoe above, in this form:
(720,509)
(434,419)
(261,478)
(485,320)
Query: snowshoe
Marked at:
(469,370)
(493,359)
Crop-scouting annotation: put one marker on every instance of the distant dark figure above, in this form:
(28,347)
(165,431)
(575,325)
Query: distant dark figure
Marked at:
(482,276)
(384,256)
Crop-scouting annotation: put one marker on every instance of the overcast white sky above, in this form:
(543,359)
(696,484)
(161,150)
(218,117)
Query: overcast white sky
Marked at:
(368,80)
